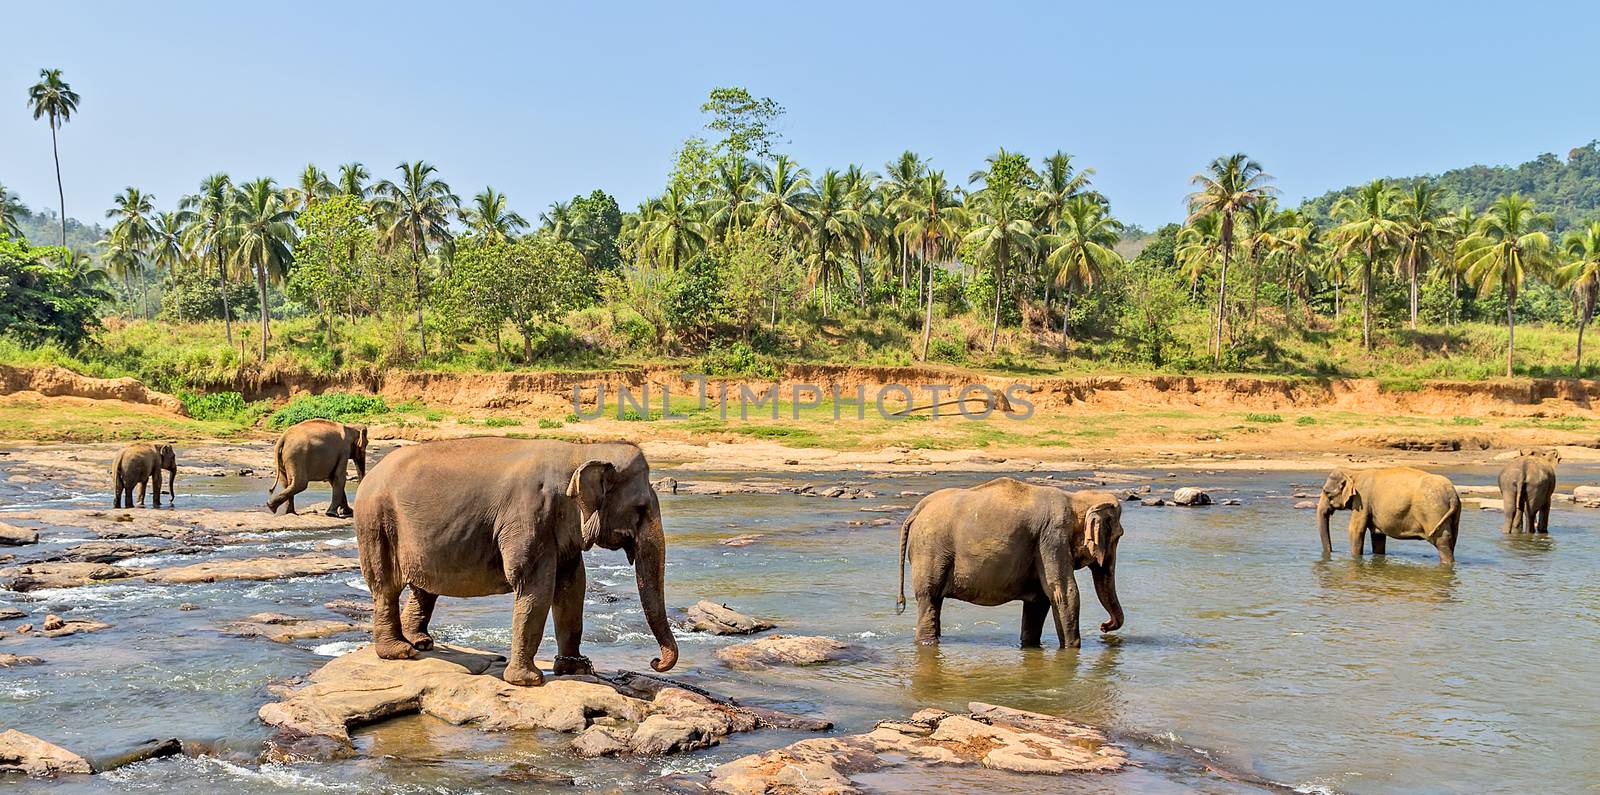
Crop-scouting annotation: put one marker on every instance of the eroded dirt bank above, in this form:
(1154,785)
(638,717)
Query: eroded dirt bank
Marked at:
(50,381)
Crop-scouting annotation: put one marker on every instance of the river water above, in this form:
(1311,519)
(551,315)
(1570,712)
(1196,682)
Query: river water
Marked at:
(1373,675)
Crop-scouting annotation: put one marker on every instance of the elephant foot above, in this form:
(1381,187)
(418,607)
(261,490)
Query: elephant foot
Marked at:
(340,513)
(572,665)
(394,649)
(523,677)
(421,641)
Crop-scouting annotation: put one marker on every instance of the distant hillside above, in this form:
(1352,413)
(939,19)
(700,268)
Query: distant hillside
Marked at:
(43,228)
(1568,190)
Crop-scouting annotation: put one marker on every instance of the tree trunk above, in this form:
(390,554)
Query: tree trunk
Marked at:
(1066,313)
(261,292)
(999,271)
(1577,365)
(925,274)
(1366,301)
(61,192)
(416,279)
(1222,302)
(222,287)
(1511,322)
(1412,268)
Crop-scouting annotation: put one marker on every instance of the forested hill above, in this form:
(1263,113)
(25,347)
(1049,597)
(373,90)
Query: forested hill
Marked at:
(1568,190)
(44,229)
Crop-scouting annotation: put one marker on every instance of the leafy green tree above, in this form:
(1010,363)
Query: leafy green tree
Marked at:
(1083,252)
(52,99)
(48,301)
(526,282)
(692,169)
(10,208)
(746,122)
(412,214)
(593,225)
(1228,187)
(1369,227)
(490,220)
(695,301)
(1583,276)
(1003,231)
(334,234)
(261,230)
(1422,233)
(1508,246)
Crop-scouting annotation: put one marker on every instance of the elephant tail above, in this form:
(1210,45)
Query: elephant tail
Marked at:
(905,535)
(277,466)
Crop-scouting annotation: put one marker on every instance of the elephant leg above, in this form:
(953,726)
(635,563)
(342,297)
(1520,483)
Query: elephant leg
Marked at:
(338,503)
(535,592)
(142,484)
(155,483)
(1034,612)
(380,566)
(1358,532)
(929,605)
(1380,543)
(296,484)
(414,619)
(571,581)
(1544,518)
(116,491)
(1530,519)
(1062,589)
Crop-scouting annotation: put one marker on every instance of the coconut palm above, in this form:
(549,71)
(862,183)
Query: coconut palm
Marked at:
(168,251)
(1583,276)
(262,234)
(835,226)
(415,213)
(934,220)
(1369,227)
(1083,251)
(314,185)
(1456,227)
(1198,248)
(901,178)
(1228,186)
(557,219)
(208,233)
(490,220)
(353,181)
(785,193)
(861,196)
(1003,232)
(10,208)
(733,196)
(677,230)
(1422,234)
(51,98)
(132,236)
(1507,247)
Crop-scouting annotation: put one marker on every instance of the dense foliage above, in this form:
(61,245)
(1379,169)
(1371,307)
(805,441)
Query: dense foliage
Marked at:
(338,406)
(46,295)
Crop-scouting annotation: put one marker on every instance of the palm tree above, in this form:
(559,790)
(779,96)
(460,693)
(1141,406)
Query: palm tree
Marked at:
(262,232)
(1059,182)
(416,212)
(1422,234)
(784,198)
(133,236)
(861,196)
(901,178)
(934,219)
(314,185)
(208,233)
(353,181)
(1507,247)
(833,224)
(1003,231)
(1456,227)
(733,196)
(1084,250)
(676,230)
(10,208)
(490,220)
(1369,226)
(1583,276)
(167,249)
(1230,185)
(53,99)
(1198,247)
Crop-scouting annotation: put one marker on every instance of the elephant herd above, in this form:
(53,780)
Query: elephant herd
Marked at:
(491,515)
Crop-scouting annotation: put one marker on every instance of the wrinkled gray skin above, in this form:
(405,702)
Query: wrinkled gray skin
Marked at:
(140,464)
(1006,540)
(1392,502)
(317,450)
(475,517)
(1526,486)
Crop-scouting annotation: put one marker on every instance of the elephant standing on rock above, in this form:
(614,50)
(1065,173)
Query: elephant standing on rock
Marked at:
(483,516)
(317,450)
(1007,540)
(1526,486)
(140,464)
(1392,502)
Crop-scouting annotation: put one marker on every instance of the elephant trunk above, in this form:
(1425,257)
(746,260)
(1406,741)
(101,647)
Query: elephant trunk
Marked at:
(1324,511)
(650,562)
(1105,587)
(172,482)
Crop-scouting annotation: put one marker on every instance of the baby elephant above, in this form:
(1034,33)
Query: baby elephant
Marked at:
(1526,485)
(1006,540)
(140,464)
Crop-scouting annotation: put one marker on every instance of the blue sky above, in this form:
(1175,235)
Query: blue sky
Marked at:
(543,102)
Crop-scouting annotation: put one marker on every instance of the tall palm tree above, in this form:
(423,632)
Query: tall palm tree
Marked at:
(785,193)
(353,181)
(1059,182)
(677,230)
(934,219)
(1456,227)
(1583,276)
(261,230)
(861,196)
(10,208)
(733,196)
(1369,226)
(834,226)
(1198,248)
(901,178)
(1002,231)
(1507,247)
(133,235)
(1422,233)
(558,219)
(314,184)
(167,249)
(1083,251)
(1228,186)
(209,233)
(414,213)
(51,98)
(490,220)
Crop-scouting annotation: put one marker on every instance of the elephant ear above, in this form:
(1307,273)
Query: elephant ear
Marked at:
(588,488)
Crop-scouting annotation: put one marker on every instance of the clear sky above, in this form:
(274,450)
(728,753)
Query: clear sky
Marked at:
(546,101)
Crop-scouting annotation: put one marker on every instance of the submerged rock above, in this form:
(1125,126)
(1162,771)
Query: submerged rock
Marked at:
(708,616)
(55,626)
(784,650)
(13,536)
(1305,505)
(108,551)
(283,629)
(34,576)
(647,715)
(1189,496)
(25,753)
(256,569)
(16,660)
(742,540)
(996,738)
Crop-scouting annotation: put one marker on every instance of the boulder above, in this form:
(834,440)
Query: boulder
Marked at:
(24,753)
(994,738)
(708,616)
(256,569)
(1586,493)
(13,536)
(1190,496)
(15,660)
(10,614)
(55,626)
(283,629)
(784,650)
(354,608)
(34,576)
(1153,502)
(598,740)
(107,551)
(1491,505)
(1306,505)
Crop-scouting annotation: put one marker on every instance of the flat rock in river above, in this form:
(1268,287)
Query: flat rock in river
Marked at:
(283,629)
(646,714)
(25,753)
(996,738)
(708,616)
(34,576)
(784,650)
(14,660)
(176,523)
(252,569)
(13,536)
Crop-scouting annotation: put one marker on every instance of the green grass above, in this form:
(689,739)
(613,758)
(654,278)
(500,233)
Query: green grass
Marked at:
(337,406)
(508,422)
(1254,417)
(1465,421)
(1306,420)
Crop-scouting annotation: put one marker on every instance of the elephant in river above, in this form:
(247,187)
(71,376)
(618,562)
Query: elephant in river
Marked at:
(1007,540)
(317,450)
(1392,502)
(140,464)
(482,516)
(1526,486)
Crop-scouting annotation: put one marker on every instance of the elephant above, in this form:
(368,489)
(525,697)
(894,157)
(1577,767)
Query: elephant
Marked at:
(1526,486)
(140,464)
(1392,502)
(490,515)
(1006,540)
(317,450)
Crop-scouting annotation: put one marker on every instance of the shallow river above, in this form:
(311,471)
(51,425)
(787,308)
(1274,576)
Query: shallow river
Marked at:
(1386,675)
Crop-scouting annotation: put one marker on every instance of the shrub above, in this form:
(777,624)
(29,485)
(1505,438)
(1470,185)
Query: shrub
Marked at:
(1253,417)
(548,424)
(1465,421)
(1307,420)
(337,406)
(502,422)
(738,359)
(224,406)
